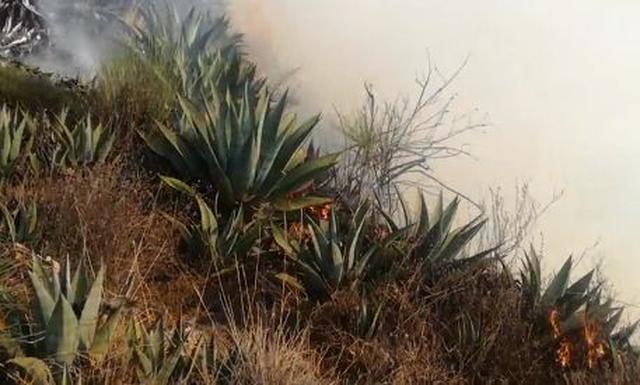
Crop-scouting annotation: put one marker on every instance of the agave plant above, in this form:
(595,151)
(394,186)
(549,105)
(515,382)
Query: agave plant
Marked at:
(335,259)
(209,238)
(432,241)
(572,310)
(194,53)
(369,316)
(437,243)
(18,225)
(68,317)
(559,295)
(156,352)
(12,131)
(81,143)
(251,154)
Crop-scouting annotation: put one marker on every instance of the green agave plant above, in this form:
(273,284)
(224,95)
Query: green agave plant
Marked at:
(157,353)
(81,143)
(439,245)
(334,260)
(369,318)
(569,307)
(208,237)
(68,318)
(194,53)
(251,153)
(20,224)
(558,295)
(432,241)
(13,124)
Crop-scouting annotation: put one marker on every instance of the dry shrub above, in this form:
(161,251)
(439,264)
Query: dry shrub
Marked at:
(107,216)
(266,354)
(403,351)
(129,95)
(464,328)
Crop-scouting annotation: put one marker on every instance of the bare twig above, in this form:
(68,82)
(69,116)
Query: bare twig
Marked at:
(393,144)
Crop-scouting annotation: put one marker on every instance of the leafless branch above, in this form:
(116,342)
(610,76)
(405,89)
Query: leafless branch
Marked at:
(390,144)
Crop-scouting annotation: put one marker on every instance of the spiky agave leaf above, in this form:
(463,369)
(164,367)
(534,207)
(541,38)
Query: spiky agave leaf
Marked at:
(14,125)
(248,152)
(18,225)
(79,143)
(336,257)
(62,334)
(208,237)
(157,352)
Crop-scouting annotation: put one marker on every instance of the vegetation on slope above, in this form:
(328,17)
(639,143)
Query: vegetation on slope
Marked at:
(170,222)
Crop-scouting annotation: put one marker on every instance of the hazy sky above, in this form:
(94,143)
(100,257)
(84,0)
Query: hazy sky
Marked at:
(559,80)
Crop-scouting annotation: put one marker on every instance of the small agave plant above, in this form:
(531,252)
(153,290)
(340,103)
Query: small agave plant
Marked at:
(81,143)
(209,238)
(157,352)
(333,260)
(68,320)
(13,128)
(438,244)
(432,241)
(18,225)
(575,313)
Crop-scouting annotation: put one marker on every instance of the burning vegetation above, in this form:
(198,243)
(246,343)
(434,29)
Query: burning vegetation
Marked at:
(170,222)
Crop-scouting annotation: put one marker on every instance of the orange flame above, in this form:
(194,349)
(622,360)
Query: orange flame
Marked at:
(596,349)
(591,344)
(564,354)
(565,351)
(322,212)
(554,320)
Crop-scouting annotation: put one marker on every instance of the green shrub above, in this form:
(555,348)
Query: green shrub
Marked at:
(27,87)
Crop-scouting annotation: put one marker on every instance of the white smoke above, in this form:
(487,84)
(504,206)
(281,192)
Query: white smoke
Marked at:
(85,33)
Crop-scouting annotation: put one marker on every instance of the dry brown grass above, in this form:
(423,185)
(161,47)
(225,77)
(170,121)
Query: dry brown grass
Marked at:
(462,328)
(269,354)
(106,216)
(465,328)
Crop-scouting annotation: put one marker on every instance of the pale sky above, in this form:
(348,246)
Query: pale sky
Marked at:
(560,82)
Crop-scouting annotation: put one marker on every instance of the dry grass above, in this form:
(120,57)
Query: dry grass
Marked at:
(105,216)
(268,354)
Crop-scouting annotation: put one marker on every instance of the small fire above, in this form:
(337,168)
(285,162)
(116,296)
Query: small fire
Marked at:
(554,320)
(591,346)
(596,349)
(564,353)
(322,212)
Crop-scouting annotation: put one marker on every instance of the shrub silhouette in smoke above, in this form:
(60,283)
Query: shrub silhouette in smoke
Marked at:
(22,30)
